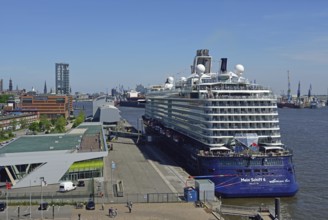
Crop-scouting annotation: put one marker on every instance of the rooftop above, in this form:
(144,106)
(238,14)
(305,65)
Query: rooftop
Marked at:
(52,142)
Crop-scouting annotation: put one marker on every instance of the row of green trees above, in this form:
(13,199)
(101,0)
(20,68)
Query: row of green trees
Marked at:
(48,126)
(54,125)
(4,98)
(43,125)
(79,119)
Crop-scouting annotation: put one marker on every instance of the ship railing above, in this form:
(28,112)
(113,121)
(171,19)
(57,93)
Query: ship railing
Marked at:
(204,153)
(272,154)
(255,97)
(227,86)
(212,154)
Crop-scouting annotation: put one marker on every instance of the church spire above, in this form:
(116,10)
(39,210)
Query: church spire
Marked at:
(45,91)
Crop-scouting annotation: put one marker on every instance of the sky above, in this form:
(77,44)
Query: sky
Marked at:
(108,43)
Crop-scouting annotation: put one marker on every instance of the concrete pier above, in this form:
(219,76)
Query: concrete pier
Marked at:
(151,180)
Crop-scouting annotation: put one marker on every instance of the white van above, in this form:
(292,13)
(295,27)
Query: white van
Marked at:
(66,186)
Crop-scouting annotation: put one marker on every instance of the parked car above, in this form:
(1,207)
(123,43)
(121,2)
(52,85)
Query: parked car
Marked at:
(3,206)
(90,205)
(43,206)
(66,186)
(80,183)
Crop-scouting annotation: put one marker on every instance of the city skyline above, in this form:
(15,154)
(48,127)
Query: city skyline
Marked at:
(110,43)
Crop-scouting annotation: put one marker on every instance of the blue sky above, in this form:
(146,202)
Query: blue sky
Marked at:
(128,42)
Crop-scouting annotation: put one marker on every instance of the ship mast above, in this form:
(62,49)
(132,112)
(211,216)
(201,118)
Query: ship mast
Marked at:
(289,97)
(299,90)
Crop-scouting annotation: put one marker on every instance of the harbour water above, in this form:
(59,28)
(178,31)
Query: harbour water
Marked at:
(305,131)
(85,106)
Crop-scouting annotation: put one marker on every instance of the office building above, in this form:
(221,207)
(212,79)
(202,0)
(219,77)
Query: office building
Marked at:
(52,106)
(10,85)
(62,79)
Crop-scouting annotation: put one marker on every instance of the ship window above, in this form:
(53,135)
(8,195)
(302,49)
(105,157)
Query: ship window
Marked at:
(211,170)
(239,172)
(255,161)
(265,172)
(273,161)
(247,172)
(257,171)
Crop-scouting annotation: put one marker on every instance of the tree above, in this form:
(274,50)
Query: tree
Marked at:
(60,124)
(53,121)
(79,119)
(44,123)
(13,124)
(4,98)
(34,126)
(23,122)
(2,134)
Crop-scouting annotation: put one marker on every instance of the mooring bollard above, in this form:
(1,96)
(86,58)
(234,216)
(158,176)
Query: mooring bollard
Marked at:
(277,209)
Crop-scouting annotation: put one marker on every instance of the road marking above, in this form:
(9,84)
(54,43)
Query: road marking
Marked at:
(163,177)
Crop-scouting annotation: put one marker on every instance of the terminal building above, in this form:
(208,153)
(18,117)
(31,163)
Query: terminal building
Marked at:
(78,154)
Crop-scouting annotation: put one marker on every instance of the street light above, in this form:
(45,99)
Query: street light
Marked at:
(7,217)
(30,201)
(42,180)
(111,178)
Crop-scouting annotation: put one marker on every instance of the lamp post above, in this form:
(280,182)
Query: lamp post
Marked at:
(41,207)
(30,201)
(7,217)
(111,178)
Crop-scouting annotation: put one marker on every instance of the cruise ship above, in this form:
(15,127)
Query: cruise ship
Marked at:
(224,128)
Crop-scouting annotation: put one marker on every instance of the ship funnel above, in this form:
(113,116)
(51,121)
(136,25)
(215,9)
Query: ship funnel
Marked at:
(224,65)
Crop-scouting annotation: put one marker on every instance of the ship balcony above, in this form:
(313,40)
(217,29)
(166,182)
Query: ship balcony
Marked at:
(240,126)
(232,132)
(219,95)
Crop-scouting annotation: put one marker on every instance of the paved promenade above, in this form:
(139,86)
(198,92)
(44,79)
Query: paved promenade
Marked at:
(145,211)
(144,170)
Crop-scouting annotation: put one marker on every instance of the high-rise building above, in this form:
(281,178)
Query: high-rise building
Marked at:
(62,78)
(1,85)
(10,85)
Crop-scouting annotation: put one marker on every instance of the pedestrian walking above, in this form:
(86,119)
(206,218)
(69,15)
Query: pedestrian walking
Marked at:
(129,205)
